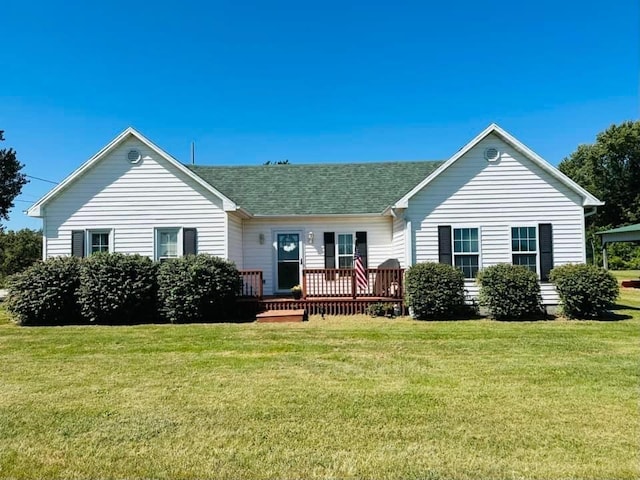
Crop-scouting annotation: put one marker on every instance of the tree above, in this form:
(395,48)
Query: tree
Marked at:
(277,162)
(610,169)
(19,250)
(11,180)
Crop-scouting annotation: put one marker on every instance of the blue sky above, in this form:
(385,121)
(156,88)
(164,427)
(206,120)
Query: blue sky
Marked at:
(310,82)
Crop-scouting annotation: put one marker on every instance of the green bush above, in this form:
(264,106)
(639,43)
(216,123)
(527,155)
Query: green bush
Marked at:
(45,293)
(435,290)
(380,309)
(585,290)
(510,292)
(118,289)
(198,288)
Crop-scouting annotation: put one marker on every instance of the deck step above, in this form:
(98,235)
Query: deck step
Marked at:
(278,316)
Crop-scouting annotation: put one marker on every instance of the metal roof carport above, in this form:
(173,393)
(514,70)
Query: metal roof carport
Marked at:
(630,233)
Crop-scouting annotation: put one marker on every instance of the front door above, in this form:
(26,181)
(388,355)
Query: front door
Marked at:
(288,260)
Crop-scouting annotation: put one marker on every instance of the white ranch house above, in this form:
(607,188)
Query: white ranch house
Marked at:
(494,201)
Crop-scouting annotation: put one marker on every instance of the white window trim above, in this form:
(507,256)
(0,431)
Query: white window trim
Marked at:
(337,247)
(88,243)
(156,241)
(536,252)
(453,247)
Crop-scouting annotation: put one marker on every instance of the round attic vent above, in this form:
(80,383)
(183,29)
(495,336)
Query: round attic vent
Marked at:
(491,154)
(134,156)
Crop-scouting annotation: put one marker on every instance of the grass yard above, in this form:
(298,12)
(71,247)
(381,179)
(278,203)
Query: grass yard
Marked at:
(349,397)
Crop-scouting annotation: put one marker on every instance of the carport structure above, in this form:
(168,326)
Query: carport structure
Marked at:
(630,233)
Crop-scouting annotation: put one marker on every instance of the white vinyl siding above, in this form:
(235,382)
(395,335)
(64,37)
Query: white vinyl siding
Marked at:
(261,256)
(234,228)
(496,196)
(398,247)
(134,200)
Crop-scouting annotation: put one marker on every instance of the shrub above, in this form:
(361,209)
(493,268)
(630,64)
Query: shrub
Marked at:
(435,290)
(510,292)
(198,288)
(585,290)
(118,288)
(45,293)
(380,309)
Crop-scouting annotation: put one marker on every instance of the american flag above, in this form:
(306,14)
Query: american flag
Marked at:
(361,274)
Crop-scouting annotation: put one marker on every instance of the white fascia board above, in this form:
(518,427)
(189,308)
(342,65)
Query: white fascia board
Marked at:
(36,209)
(588,200)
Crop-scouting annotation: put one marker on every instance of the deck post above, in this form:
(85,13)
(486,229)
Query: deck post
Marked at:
(353,284)
(304,284)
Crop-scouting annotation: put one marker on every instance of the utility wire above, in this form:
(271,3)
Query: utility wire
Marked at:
(42,179)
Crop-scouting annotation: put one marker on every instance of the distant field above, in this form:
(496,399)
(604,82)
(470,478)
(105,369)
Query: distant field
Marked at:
(342,397)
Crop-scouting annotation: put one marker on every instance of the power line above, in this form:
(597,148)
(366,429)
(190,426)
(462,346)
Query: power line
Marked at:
(41,179)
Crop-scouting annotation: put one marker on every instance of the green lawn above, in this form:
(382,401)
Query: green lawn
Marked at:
(349,397)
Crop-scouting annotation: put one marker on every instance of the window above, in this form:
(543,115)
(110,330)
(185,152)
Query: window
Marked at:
(524,247)
(345,250)
(98,242)
(466,251)
(167,243)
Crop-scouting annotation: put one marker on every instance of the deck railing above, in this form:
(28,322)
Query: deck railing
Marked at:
(334,282)
(251,283)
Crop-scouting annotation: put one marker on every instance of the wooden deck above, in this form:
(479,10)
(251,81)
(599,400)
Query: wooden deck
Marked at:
(326,291)
(317,306)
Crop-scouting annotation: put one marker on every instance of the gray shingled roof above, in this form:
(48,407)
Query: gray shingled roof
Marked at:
(348,188)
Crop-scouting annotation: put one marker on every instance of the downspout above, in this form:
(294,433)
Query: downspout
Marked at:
(44,237)
(409,242)
(591,212)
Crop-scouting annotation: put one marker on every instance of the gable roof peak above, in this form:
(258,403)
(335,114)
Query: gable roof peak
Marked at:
(36,209)
(588,200)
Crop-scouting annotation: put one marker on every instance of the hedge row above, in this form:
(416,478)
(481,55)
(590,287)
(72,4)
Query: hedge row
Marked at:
(112,288)
(509,292)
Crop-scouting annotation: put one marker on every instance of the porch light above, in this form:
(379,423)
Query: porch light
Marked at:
(310,238)
(261,238)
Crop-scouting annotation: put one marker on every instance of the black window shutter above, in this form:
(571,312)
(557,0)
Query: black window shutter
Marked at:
(361,245)
(77,243)
(444,244)
(545,240)
(329,253)
(329,250)
(189,241)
